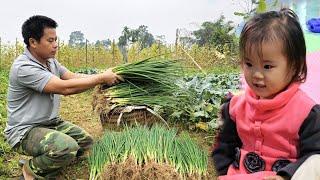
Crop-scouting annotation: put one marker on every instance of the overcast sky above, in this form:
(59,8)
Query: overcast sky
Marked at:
(102,19)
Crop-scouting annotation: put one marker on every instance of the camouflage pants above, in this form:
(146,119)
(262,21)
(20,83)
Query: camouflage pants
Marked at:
(53,146)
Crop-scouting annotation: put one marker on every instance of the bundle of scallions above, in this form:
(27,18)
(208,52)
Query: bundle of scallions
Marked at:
(143,146)
(150,82)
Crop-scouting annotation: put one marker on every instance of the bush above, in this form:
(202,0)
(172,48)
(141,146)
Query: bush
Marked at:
(6,167)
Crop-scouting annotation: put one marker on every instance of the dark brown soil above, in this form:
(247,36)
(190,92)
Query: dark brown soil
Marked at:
(129,170)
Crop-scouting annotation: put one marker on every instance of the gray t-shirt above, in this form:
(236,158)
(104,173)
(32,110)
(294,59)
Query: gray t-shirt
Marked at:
(28,105)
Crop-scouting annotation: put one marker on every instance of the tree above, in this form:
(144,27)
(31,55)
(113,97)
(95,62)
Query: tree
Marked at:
(105,43)
(130,36)
(186,38)
(218,34)
(124,38)
(76,38)
(123,43)
(144,38)
(251,7)
(161,39)
(187,41)
(140,35)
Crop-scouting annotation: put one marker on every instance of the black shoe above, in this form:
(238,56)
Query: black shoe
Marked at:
(22,162)
(21,177)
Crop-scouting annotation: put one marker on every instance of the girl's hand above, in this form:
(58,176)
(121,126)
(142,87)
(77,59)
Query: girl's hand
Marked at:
(276,177)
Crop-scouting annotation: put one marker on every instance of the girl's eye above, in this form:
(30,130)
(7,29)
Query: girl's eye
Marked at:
(267,66)
(248,64)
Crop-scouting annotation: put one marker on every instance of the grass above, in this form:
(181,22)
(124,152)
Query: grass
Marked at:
(78,110)
(8,158)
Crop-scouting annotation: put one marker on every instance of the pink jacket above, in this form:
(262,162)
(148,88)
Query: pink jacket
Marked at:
(269,127)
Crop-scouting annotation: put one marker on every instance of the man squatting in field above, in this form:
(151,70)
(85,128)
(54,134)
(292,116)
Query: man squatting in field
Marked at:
(36,81)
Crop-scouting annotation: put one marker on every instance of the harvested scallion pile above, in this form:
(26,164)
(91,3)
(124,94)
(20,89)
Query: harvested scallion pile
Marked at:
(150,82)
(142,145)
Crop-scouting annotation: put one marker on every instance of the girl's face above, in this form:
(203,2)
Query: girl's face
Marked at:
(267,75)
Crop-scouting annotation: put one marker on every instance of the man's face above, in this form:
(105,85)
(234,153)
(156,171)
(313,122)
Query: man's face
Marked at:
(47,46)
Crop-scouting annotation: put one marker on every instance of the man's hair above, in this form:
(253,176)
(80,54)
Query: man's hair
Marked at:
(34,26)
(280,26)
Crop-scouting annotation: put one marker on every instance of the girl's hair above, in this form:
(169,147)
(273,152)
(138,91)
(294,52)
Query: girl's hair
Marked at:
(280,25)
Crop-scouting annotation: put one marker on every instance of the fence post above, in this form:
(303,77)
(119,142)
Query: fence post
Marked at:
(94,49)
(113,51)
(86,52)
(159,47)
(16,47)
(176,43)
(0,54)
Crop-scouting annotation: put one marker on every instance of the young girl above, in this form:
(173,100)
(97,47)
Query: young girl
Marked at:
(273,127)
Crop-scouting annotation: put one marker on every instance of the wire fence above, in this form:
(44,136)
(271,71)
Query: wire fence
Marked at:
(98,56)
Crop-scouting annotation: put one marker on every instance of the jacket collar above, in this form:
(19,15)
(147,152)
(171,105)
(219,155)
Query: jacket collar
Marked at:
(278,101)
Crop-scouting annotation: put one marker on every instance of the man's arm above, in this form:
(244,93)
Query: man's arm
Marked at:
(71,75)
(75,85)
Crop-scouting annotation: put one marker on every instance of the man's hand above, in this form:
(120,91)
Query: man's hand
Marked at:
(76,85)
(276,177)
(108,77)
